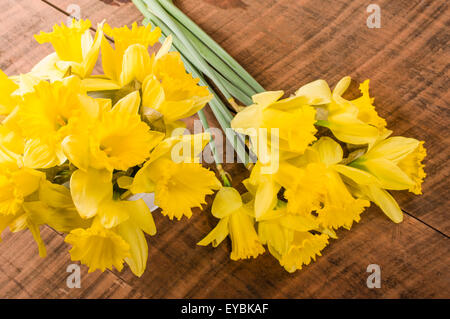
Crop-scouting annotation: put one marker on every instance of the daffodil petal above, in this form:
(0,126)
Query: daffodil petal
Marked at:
(89,188)
(317,92)
(135,238)
(128,104)
(217,235)
(358,176)
(385,201)
(394,148)
(112,213)
(389,174)
(330,152)
(141,215)
(227,201)
(97,84)
(135,64)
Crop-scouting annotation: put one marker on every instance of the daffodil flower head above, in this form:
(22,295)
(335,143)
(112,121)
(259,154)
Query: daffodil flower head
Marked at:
(276,229)
(98,248)
(130,58)
(74,48)
(179,187)
(313,188)
(237,222)
(396,162)
(43,118)
(304,186)
(174,173)
(292,117)
(354,121)
(16,184)
(120,225)
(171,91)
(19,186)
(339,208)
(117,139)
(55,208)
(393,163)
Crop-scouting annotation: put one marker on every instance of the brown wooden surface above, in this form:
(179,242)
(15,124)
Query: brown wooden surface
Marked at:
(284,44)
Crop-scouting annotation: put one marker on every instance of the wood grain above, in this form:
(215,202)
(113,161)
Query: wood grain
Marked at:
(284,44)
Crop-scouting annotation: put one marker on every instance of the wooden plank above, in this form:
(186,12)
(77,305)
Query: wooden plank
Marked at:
(414,263)
(116,13)
(23,274)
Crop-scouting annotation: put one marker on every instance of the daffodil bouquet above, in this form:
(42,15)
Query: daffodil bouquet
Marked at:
(303,186)
(74,146)
(78,149)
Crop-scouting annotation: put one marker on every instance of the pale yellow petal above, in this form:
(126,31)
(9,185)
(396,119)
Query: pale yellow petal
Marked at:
(389,174)
(226,201)
(317,92)
(89,188)
(135,238)
(217,235)
(385,201)
(330,151)
(136,64)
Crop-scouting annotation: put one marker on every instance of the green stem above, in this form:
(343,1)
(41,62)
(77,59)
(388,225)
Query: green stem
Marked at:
(202,117)
(217,63)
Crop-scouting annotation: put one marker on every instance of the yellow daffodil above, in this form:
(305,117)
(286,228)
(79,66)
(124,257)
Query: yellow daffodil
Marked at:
(395,164)
(102,248)
(16,184)
(115,221)
(23,220)
(43,118)
(236,222)
(355,121)
(74,48)
(130,58)
(98,248)
(317,188)
(50,205)
(19,187)
(55,208)
(179,185)
(277,227)
(292,116)
(171,91)
(115,139)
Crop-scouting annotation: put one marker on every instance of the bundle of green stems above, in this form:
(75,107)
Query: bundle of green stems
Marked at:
(205,58)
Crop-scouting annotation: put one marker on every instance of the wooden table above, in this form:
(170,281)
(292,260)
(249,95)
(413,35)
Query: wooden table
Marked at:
(284,44)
